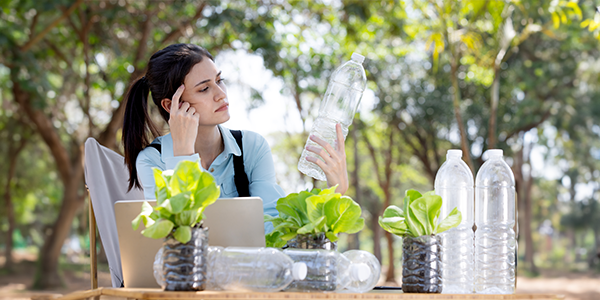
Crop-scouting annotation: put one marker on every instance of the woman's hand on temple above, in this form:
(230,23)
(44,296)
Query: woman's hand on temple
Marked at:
(183,122)
(334,160)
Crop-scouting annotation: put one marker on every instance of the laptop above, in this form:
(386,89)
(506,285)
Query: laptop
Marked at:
(232,222)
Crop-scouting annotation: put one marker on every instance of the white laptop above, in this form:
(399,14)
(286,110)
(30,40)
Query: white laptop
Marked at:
(235,222)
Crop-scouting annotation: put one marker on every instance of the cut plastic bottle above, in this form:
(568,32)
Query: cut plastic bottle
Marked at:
(328,271)
(247,269)
(454,183)
(495,218)
(339,105)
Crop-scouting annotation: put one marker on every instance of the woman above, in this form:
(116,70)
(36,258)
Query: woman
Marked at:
(191,96)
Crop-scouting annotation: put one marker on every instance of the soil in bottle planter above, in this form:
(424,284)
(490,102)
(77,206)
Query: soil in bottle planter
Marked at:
(422,265)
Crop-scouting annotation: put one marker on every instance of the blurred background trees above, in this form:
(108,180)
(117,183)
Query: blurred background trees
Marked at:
(522,76)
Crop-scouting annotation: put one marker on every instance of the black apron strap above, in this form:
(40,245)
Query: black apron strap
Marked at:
(156,146)
(241,180)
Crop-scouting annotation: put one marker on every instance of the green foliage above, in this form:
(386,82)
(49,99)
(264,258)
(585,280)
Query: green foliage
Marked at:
(420,216)
(317,211)
(181,197)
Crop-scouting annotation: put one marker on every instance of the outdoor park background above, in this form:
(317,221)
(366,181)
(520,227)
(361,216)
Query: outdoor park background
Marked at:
(520,75)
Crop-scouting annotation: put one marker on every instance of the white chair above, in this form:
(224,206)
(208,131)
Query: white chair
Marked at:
(106,177)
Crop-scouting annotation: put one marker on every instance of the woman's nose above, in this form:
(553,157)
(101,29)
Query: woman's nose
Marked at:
(220,94)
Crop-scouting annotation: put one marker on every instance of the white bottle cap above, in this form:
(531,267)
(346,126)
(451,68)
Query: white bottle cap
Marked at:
(358,57)
(454,153)
(495,153)
(299,271)
(360,272)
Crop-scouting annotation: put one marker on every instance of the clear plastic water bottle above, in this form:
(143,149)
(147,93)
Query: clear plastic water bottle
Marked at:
(495,218)
(327,270)
(339,105)
(364,271)
(245,269)
(253,269)
(454,183)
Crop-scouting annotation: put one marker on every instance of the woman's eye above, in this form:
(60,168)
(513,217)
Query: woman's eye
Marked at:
(221,80)
(204,89)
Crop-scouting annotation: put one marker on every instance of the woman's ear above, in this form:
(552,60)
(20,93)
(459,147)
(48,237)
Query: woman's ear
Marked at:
(166,104)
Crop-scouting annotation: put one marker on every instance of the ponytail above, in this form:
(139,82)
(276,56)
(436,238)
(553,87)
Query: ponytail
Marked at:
(137,126)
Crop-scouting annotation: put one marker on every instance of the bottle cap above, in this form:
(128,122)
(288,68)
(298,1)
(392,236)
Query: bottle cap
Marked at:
(358,57)
(454,153)
(495,153)
(360,272)
(299,271)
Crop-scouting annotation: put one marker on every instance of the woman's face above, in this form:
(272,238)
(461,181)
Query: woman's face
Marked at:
(206,92)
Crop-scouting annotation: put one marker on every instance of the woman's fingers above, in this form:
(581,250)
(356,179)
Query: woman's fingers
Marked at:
(340,139)
(330,151)
(175,101)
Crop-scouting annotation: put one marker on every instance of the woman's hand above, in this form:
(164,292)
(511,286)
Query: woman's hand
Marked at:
(183,122)
(334,160)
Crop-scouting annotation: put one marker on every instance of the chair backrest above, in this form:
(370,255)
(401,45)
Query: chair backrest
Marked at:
(107,178)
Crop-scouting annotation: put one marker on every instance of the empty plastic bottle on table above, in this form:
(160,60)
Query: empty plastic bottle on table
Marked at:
(327,270)
(253,269)
(495,218)
(454,183)
(339,105)
(246,269)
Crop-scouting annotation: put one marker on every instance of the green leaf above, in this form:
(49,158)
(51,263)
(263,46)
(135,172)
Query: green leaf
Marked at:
(186,177)
(426,209)
(415,227)
(452,220)
(162,189)
(205,196)
(294,205)
(358,226)
(186,218)
(308,228)
(159,229)
(144,216)
(342,214)
(393,221)
(331,236)
(180,201)
(183,234)
(274,240)
(289,236)
(329,191)
(314,207)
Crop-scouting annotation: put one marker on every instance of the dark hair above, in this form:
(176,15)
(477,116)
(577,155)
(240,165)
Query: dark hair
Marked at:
(167,69)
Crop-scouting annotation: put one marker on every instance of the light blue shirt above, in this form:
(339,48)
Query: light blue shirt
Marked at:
(258,164)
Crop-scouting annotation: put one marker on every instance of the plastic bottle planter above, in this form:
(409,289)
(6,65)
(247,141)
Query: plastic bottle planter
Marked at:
(311,241)
(323,277)
(422,264)
(184,265)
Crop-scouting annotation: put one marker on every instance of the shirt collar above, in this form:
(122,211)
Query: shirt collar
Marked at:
(231,146)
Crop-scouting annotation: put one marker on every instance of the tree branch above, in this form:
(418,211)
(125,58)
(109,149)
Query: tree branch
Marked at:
(529,126)
(40,35)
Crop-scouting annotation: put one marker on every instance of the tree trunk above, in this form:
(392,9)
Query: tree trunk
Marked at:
(353,239)
(493,109)
(47,274)
(376,237)
(526,227)
(13,156)
(464,142)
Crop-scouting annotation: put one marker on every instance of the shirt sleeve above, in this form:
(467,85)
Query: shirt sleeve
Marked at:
(261,174)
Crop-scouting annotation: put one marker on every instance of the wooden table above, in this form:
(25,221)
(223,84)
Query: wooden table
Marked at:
(129,293)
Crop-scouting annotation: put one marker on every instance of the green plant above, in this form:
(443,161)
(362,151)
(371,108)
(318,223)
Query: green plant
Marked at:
(420,216)
(317,211)
(181,197)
